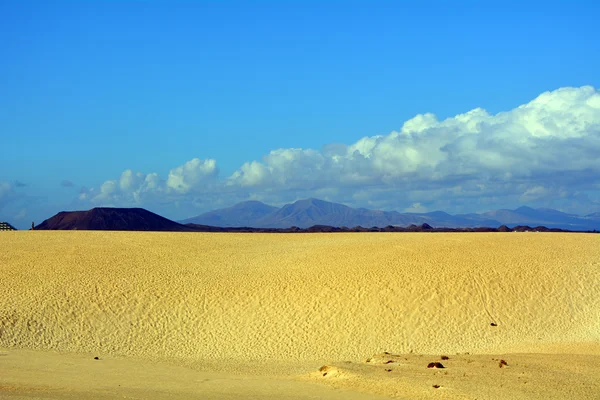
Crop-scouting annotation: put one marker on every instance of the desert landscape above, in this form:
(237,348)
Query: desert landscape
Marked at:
(347,315)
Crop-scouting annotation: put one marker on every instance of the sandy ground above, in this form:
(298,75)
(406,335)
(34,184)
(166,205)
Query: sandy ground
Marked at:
(223,316)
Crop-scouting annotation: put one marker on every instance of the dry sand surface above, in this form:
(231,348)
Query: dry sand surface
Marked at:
(348,316)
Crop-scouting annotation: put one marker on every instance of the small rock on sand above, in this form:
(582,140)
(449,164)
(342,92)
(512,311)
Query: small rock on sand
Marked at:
(435,365)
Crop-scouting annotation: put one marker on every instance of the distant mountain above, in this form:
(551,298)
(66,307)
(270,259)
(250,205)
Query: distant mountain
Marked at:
(411,228)
(507,217)
(541,216)
(593,216)
(112,219)
(242,214)
(313,215)
(443,219)
(304,214)
(310,212)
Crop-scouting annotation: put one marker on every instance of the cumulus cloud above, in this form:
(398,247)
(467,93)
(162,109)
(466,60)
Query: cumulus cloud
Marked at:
(416,208)
(283,167)
(555,139)
(190,175)
(130,181)
(107,190)
(137,188)
(547,148)
(66,183)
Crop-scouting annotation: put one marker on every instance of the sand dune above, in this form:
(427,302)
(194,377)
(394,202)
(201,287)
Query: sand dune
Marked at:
(248,302)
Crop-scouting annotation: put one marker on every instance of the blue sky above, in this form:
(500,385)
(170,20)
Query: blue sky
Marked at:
(211,103)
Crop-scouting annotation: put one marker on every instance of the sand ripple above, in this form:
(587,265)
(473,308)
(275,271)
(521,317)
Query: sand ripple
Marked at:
(296,297)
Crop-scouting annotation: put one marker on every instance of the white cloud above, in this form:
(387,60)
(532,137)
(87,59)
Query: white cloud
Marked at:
(251,174)
(190,175)
(136,188)
(534,193)
(416,208)
(130,181)
(292,167)
(152,182)
(557,132)
(547,148)
(105,195)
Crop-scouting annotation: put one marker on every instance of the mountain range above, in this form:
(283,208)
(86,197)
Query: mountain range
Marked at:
(309,212)
(313,215)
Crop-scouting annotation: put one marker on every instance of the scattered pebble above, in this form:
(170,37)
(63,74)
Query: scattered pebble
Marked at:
(96,358)
(436,386)
(328,370)
(445,358)
(494,324)
(502,363)
(435,365)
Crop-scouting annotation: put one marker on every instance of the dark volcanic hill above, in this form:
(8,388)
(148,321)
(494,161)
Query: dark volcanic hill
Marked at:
(112,219)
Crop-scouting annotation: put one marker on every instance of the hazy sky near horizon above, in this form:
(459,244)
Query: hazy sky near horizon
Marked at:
(181,107)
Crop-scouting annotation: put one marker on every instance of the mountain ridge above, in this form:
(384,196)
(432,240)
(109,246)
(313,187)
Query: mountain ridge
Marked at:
(240,214)
(314,215)
(308,212)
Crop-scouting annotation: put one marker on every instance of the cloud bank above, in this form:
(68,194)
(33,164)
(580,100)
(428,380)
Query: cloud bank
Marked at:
(546,149)
(136,188)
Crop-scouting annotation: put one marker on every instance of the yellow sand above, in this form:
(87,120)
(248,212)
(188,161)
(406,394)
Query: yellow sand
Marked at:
(269,309)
